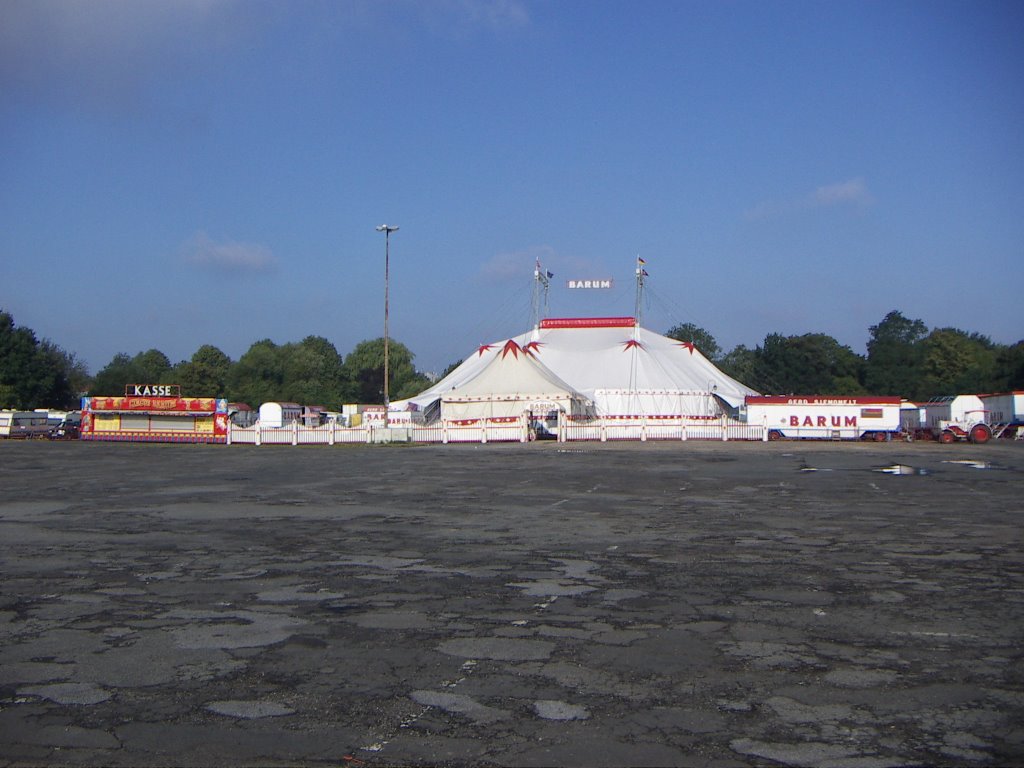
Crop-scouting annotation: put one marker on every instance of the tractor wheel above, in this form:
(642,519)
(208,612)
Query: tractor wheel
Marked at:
(980,433)
(947,437)
(880,437)
(774,434)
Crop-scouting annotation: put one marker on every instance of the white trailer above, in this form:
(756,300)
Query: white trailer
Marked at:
(824,417)
(24,424)
(955,417)
(912,417)
(277,415)
(1005,413)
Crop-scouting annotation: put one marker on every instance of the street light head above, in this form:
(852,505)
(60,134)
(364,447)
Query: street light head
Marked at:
(386,229)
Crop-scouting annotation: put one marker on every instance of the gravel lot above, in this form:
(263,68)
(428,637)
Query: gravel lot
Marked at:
(705,604)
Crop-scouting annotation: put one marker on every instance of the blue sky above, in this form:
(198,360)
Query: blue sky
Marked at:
(212,171)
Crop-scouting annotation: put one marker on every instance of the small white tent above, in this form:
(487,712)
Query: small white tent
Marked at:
(624,370)
(510,383)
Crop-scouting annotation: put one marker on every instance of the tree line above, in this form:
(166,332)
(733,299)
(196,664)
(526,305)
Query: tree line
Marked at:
(310,372)
(36,373)
(904,358)
(39,374)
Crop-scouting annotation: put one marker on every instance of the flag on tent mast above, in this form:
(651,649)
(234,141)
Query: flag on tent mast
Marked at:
(641,273)
(541,286)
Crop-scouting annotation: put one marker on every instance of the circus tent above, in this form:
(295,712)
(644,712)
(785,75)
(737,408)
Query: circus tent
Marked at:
(623,370)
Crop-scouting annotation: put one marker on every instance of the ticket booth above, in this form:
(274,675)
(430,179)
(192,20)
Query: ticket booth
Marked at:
(155,413)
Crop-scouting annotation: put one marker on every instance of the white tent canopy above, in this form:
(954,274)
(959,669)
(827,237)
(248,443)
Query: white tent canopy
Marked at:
(511,382)
(622,369)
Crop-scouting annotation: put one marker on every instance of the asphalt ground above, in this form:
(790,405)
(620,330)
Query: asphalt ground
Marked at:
(699,603)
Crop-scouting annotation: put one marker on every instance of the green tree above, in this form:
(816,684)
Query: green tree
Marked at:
(154,367)
(412,385)
(697,336)
(314,374)
(112,377)
(149,367)
(742,364)
(895,356)
(956,362)
(33,374)
(55,365)
(77,373)
(1009,368)
(258,376)
(17,356)
(205,374)
(811,364)
(364,367)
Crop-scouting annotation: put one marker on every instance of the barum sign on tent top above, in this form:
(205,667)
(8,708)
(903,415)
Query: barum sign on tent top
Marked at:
(585,284)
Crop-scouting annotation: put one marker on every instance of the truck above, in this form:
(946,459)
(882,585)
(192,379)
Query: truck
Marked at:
(825,417)
(949,419)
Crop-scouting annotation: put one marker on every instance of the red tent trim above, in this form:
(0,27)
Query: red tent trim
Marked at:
(587,322)
(511,346)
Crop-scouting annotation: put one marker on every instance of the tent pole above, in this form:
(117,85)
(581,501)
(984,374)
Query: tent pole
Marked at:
(641,273)
(541,283)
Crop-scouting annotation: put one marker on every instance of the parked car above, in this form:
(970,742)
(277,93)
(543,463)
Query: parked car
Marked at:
(68,428)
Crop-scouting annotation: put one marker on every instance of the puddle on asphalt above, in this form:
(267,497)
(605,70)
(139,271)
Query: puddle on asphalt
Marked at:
(973,464)
(906,469)
(902,469)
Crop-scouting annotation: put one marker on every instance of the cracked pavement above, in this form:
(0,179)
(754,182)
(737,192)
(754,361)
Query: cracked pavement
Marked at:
(705,604)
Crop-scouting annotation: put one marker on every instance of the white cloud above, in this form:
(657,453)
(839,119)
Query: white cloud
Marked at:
(227,256)
(767,209)
(462,16)
(853,192)
(494,13)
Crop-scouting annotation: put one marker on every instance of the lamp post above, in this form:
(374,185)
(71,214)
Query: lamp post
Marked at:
(387,230)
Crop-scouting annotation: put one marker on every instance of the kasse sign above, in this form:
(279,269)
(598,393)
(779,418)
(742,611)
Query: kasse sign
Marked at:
(152,390)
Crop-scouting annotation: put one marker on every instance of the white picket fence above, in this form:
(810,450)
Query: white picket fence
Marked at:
(681,429)
(486,431)
(297,434)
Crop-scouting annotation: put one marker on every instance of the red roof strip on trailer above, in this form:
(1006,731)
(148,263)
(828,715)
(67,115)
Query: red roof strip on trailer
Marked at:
(588,322)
